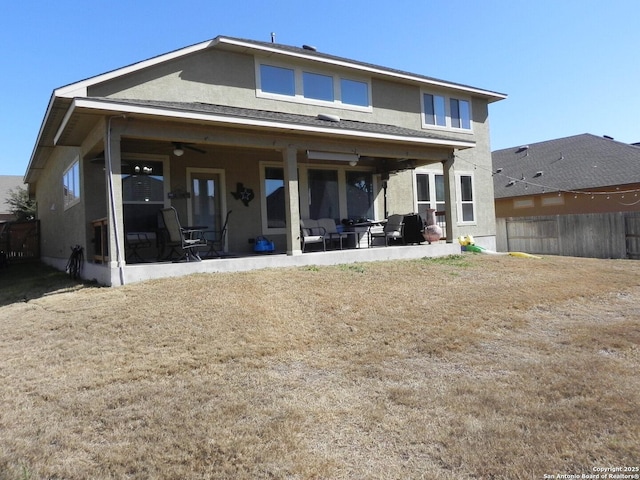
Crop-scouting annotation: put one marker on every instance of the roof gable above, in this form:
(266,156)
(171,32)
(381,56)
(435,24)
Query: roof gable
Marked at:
(572,163)
(79,89)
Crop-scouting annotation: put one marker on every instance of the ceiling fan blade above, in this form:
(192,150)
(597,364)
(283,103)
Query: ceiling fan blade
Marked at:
(195,149)
(184,146)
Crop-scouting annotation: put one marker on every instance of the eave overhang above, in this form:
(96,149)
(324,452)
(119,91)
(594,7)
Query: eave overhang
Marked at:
(68,133)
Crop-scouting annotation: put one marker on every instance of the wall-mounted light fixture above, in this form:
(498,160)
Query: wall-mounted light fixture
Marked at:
(351,158)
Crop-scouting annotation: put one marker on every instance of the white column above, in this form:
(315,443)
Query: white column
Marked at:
(291,195)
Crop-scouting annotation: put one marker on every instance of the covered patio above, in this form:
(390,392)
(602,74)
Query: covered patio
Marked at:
(270,170)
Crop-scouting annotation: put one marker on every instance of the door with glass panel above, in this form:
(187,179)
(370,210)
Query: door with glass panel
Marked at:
(430,194)
(206,202)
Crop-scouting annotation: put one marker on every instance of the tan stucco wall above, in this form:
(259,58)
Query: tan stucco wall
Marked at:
(227,78)
(60,229)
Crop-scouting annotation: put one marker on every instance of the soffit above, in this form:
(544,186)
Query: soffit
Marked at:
(84,113)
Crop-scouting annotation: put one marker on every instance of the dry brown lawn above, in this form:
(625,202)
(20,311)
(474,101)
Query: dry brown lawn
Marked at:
(466,367)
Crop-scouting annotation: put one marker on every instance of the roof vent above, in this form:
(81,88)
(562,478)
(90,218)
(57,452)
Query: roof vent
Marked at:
(523,148)
(309,47)
(608,137)
(328,118)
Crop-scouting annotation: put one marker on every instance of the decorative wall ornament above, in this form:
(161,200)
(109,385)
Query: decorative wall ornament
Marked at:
(243,193)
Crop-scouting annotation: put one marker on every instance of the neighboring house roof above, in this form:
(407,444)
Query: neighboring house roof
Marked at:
(8,183)
(575,163)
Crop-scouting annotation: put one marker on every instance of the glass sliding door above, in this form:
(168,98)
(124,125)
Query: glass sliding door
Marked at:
(323,194)
(359,195)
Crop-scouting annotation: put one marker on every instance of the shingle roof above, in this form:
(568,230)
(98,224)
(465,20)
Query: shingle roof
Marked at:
(280,117)
(579,162)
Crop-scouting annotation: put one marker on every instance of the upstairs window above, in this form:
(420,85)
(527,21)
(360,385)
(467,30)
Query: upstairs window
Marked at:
(434,111)
(71,185)
(354,92)
(460,114)
(319,87)
(278,80)
(446,112)
(315,87)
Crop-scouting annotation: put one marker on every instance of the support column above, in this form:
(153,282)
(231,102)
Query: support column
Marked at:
(113,171)
(292,203)
(451,211)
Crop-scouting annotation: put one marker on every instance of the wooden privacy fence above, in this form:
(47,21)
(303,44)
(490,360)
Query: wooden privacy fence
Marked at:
(596,235)
(20,241)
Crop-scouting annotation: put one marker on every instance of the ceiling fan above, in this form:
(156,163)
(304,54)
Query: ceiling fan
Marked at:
(179,148)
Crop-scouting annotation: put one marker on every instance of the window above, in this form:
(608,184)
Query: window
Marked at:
(460,114)
(142,194)
(277,80)
(317,87)
(523,203)
(430,192)
(552,200)
(71,185)
(354,92)
(274,194)
(441,111)
(466,206)
(434,111)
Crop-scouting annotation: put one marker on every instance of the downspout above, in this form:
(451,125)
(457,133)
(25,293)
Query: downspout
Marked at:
(112,201)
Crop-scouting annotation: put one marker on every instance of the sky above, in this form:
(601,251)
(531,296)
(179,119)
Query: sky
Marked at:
(568,66)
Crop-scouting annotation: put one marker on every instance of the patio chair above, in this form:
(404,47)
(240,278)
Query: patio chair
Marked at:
(331,231)
(216,238)
(311,232)
(392,230)
(188,241)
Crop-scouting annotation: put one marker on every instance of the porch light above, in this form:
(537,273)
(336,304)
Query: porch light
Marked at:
(178,151)
(351,158)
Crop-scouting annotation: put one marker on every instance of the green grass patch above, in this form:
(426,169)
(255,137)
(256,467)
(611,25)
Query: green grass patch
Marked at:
(456,260)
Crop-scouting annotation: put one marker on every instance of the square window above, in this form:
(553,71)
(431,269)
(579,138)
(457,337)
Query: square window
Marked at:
(354,92)
(277,80)
(318,87)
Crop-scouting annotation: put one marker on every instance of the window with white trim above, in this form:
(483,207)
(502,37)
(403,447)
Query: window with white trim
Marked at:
(296,84)
(466,202)
(429,191)
(446,112)
(71,185)
(273,199)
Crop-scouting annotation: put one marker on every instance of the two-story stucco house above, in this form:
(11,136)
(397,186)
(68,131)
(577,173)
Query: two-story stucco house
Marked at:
(270,132)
